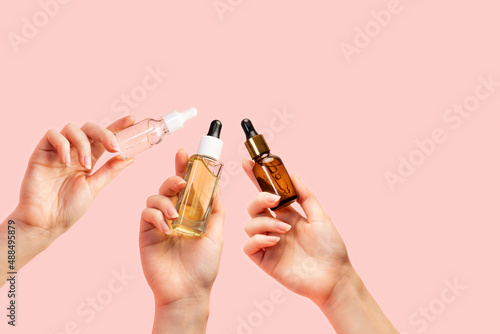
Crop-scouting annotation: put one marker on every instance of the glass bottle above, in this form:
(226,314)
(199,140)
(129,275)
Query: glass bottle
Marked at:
(202,178)
(268,169)
(150,132)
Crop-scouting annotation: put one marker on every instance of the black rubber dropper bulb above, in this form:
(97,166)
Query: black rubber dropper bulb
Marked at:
(215,128)
(248,128)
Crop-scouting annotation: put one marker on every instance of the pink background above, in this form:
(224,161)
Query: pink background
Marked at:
(352,120)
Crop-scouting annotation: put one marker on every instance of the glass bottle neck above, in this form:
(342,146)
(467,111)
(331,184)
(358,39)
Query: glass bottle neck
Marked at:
(262,156)
(157,130)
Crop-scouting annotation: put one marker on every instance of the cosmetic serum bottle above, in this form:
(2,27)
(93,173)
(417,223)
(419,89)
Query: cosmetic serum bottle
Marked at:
(202,178)
(269,170)
(150,132)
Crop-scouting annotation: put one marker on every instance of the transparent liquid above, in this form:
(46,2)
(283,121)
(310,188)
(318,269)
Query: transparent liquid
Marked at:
(196,200)
(140,137)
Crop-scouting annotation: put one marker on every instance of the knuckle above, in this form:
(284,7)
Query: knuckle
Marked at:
(51,132)
(70,127)
(85,144)
(155,215)
(62,144)
(247,226)
(107,133)
(150,200)
(164,186)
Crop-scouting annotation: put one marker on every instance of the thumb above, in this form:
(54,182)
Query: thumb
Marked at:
(308,201)
(248,165)
(106,173)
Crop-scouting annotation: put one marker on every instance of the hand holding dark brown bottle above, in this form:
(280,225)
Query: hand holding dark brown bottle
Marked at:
(308,256)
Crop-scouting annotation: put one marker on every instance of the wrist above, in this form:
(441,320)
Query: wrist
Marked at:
(349,286)
(351,308)
(30,224)
(29,240)
(186,316)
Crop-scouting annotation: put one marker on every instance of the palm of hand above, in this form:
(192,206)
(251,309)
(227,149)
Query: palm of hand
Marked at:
(53,196)
(177,266)
(309,259)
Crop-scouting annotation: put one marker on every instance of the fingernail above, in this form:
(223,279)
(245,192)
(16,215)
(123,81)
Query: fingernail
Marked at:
(283,226)
(88,161)
(273,239)
(114,144)
(181,182)
(272,198)
(165,228)
(67,159)
(172,213)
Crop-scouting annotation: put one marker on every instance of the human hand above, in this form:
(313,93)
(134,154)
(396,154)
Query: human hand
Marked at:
(179,269)
(305,254)
(59,186)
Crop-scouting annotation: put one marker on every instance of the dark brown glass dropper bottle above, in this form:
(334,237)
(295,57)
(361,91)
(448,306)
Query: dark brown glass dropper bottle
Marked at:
(269,170)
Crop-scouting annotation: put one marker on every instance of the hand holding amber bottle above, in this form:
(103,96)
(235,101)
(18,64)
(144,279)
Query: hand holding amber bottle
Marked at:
(308,256)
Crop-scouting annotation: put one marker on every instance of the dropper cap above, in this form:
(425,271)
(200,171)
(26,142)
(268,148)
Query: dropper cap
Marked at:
(255,144)
(175,120)
(211,145)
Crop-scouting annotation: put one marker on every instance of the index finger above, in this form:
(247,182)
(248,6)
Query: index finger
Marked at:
(172,186)
(121,124)
(261,204)
(100,135)
(95,131)
(247,165)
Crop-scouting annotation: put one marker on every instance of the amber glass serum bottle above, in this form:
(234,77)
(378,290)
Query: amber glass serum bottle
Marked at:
(202,178)
(269,170)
